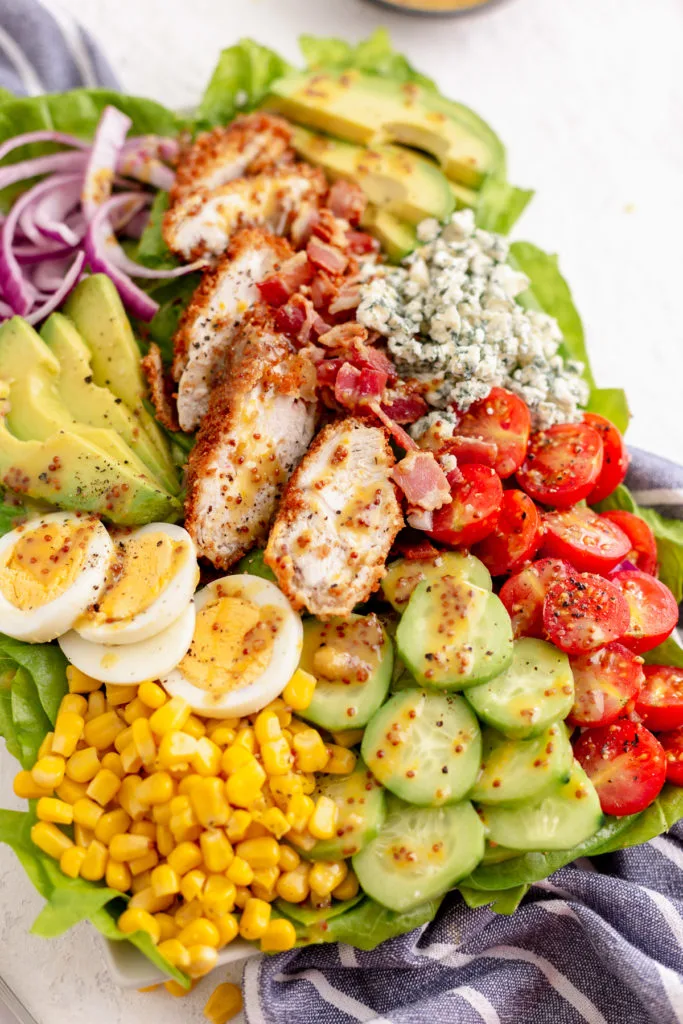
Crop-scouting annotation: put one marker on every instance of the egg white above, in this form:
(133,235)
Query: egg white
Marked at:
(164,610)
(132,663)
(285,654)
(58,615)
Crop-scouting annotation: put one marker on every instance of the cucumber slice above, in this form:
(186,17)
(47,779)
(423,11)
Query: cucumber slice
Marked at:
(454,634)
(361,804)
(535,690)
(403,575)
(514,771)
(352,659)
(562,819)
(424,747)
(420,853)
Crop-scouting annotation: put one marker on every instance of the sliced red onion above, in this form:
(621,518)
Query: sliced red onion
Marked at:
(27,255)
(48,275)
(44,135)
(51,164)
(624,566)
(58,297)
(99,230)
(101,165)
(51,212)
(138,164)
(5,311)
(162,147)
(137,224)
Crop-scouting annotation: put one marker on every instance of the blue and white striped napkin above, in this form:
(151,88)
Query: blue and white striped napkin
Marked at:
(600,942)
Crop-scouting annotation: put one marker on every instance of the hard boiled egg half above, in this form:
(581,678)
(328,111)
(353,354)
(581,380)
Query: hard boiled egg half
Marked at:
(51,570)
(246,646)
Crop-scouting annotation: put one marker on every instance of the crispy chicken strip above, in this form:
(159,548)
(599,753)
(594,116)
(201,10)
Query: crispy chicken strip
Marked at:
(203,222)
(204,336)
(337,521)
(160,389)
(260,422)
(251,143)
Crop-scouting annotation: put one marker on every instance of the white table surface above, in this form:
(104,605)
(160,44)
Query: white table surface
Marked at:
(588,97)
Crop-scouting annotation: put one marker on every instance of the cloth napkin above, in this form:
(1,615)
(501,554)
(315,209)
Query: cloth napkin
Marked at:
(600,942)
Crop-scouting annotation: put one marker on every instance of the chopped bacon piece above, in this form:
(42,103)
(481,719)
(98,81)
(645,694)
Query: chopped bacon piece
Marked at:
(360,243)
(302,225)
(331,229)
(346,299)
(398,433)
(327,256)
(404,408)
(366,355)
(276,288)
(323,290)
(422,480)
(347,200)
(299,321)
(344,335)
(412,544)
(353,387)
(471,449)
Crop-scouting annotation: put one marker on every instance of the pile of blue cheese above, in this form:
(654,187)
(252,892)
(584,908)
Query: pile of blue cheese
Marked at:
(451,322)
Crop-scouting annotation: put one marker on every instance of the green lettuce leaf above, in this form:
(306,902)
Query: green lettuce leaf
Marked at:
(152,250)
(611,403)
(47,666)
(15,832)
(240,81)
(71,901)
(668,653)
(368,924)
(30,721)
(501,205)
(503,901)
(105,922)
(373,56)
(173,297)
(659,817)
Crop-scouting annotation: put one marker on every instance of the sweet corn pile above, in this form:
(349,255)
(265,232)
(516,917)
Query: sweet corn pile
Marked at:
(198,820)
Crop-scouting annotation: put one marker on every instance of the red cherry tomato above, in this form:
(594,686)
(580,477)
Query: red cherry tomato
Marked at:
(672,742)
(516,537)
(523,595)
(562,465)
(660,704)
(471,449)
(643,551)
(502,419)
(605,682)
(584,612)
(473,512)
(625,763)
(586,540)
(653,608)
(615,461)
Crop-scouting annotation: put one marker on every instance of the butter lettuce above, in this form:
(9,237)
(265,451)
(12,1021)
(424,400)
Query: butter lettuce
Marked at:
(32,684)
(373,56)
(239,82)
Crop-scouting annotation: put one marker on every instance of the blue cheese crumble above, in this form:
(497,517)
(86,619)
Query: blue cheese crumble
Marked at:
(451,321)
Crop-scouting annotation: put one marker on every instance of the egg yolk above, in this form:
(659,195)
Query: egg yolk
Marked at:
(44,563)
(142,566)
(232,644)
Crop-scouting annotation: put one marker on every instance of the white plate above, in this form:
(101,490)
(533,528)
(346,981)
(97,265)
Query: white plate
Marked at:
(130,969)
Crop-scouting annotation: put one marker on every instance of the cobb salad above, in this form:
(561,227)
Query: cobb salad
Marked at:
(321,593)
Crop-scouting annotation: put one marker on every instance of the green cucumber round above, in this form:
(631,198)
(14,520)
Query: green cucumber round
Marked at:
(424,747)
(514,771)
(403,575)
(362,810)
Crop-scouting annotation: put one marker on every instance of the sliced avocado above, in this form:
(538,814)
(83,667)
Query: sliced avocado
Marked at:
(393,178)
(97,311)
(397,238)
(98,406)
(464,197)
(71,473)
(371,111)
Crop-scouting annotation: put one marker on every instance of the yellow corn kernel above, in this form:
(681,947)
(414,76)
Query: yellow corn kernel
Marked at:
(147,899)
(48,772)
(176,747)
(274,820)
(136,920)
(141,881)
(112,762)
(308,783)
(184,826)
(299,810)
(202,960)
(144,828)
(259,853)
(276,756)
(326,875)
(323,822)
(238,823)
(167,926)
(174,951)
(170,717)
(130,759)
(127,797)
(228,926)
(341,762)
(26,787)
(297,726)
(218,897)
(185,857)
(74,702)
(161,813)
(347,889)
(267,726)
(348,737)
(284,714)
(263,884)
(164,840)
(71,861)
(187,913)
(94,864)
(223,736)
(83,836)
(224,1003)
(255,919)
(188,782)
(97,705)
(50,839)
(83,765)
(151,694)
(104,787)
(209,803)
(157,788)
(87,813)
(242,894)
(136,710)
(165,881)
(124,739)
(302,840)
(175,989)
(57,811)
(207,758)
(70,791)
(234,757)
(279,936)
(144,864)
(119,693)
(79,682)
(298,692)
(244,785)
(111,823)
(201,932)
(101,732)
(214,724)
(246,737)
(45,748)
(118,876)
(195,727)
(293,885)
(288,858)
(216,850)
(144,741)
(192,885)
(240,872)
(310,751)
(129,847)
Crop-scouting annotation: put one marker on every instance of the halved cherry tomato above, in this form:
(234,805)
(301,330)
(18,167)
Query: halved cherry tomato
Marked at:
(672,742)
(615,461)
(643,551)
(605,682)
(625,763)
(584,612)
(516,537)
(586,540)
(660,704)
(562,464)
(653,608)
(473,512)
(504,420)
(470,449)
(523,595)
